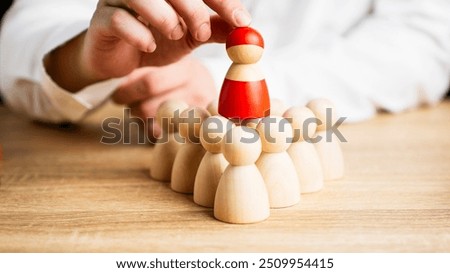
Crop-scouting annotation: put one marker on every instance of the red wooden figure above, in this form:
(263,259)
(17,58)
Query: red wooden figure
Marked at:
(244,93)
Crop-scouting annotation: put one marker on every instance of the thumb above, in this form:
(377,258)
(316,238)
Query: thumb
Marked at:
(219,30)
(219,33)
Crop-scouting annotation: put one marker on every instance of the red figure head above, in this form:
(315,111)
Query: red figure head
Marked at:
(245,45)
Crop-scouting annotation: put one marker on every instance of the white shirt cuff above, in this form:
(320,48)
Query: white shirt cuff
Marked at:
(75,106)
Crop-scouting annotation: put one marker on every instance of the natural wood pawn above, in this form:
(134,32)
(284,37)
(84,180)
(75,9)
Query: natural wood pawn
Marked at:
(241,195)
(275,165)
(168,144)
(191,153)
(328,147)
(213,163)
(302,151)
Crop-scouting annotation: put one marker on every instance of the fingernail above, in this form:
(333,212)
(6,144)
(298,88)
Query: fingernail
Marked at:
(204,32)
(177,33)
(242,18)
(152,47)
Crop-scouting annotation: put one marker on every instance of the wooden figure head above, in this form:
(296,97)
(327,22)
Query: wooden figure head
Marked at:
(168,114)
(320,107)
(191,120)
(303,122)
(212,131)
(275,133)
(241,146)
(245,45)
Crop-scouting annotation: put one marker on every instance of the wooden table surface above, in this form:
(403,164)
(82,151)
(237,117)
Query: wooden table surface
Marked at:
(63,191)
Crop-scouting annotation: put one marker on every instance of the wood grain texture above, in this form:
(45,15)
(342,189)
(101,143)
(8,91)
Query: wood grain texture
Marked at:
(61,190)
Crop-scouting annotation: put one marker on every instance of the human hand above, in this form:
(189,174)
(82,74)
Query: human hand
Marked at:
(146,88)
(127,34)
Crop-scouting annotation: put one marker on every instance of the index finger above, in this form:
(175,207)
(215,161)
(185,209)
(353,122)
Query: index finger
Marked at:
(232,11)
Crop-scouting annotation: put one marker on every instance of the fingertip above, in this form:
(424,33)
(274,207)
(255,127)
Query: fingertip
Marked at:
(242,18)
(177,33)
(220,30)
(204,32)
(151,47)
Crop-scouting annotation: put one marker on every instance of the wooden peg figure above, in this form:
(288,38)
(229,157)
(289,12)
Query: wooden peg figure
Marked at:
(275,165)
(328,148)
(241,195)
(169,142)
(302,152)
(244,93)
(191,153)
(213,163)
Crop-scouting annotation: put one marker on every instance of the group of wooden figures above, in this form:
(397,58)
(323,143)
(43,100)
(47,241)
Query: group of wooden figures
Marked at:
(245,153)
(244,170)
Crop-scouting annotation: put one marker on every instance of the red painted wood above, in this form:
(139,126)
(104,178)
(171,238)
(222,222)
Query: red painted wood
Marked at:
(244,100)
(244,36)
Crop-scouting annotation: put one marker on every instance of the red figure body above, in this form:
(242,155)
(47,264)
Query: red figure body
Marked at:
(244,100)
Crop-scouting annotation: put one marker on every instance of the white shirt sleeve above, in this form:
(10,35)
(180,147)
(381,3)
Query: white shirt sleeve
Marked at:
(395,56)
(30,30)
